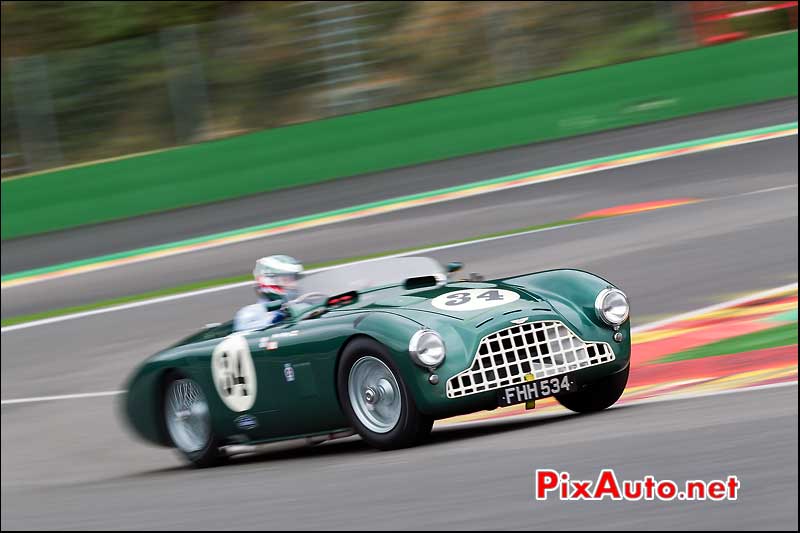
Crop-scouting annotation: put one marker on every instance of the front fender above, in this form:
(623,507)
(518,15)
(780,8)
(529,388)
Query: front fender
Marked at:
(394,331)
(571,293)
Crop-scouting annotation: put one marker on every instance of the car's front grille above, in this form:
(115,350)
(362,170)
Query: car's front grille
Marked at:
(541,349)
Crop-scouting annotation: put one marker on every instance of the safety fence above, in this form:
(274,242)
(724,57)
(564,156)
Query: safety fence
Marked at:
(270,64)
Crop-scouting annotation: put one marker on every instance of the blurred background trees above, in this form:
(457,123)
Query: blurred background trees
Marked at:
(90,80)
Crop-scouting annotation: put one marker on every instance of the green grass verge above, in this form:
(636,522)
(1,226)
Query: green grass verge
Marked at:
(236,279)
(785,335)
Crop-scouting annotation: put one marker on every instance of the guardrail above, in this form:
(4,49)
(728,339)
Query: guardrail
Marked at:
(621,95)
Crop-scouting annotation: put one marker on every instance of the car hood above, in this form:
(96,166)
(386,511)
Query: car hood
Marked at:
(432,300)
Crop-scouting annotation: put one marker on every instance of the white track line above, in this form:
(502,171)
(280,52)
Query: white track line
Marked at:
(206,246)
(759,191)
(711,308)
(644,327)
(161,299)
(172,297)
(121,307)
(62,397)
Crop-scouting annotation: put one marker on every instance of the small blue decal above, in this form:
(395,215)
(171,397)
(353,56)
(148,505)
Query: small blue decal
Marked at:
(246,422)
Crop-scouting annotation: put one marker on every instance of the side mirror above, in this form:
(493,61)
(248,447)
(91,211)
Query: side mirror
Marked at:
(454,266)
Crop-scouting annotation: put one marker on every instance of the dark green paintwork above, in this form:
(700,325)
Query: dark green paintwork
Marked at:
(309,405)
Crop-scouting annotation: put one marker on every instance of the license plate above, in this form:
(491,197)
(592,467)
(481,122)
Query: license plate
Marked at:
(535,390)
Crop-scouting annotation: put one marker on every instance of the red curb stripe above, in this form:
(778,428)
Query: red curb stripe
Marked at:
(635,208)
(717,366)
(646,352)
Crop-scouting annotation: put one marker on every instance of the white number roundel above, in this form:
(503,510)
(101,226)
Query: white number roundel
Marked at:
(234,373)
(473,299)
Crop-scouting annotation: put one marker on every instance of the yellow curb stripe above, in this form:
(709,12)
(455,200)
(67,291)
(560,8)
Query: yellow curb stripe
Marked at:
(660,334)
(738,312)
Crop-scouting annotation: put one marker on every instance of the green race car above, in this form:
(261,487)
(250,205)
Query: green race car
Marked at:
(384,348)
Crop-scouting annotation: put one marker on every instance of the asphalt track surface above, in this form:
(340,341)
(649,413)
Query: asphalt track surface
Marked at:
(94,240)
(72,464)
(478,477)
(703,175)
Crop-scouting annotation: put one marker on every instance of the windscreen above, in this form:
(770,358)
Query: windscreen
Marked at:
(362,276)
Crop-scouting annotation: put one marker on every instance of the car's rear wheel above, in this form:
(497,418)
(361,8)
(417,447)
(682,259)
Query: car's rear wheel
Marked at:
(188,421)
(599,395)
(376,400)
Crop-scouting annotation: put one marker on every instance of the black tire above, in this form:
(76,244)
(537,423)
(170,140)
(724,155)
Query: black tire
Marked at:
(412,426)
(210,454)
(597,396)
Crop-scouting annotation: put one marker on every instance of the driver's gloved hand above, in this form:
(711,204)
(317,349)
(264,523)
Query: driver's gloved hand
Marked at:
(278,316)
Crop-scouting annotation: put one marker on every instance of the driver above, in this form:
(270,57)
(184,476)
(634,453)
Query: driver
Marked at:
(276,284)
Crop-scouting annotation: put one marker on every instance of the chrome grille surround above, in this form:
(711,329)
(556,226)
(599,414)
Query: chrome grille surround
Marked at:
(543,349)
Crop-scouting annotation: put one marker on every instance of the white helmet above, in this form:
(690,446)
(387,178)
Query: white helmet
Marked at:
(277,277)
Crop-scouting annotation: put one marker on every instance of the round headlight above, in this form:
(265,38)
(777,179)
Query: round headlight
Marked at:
(612,306)
(426,348)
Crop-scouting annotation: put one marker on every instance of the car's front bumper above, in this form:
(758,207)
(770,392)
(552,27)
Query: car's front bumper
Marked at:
(488,400)
(434,400)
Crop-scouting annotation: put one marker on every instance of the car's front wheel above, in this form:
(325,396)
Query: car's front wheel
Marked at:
(599,395)
(376,400)
(188,421)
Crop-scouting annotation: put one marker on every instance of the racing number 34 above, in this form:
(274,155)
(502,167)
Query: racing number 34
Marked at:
(460,298)
(234,373)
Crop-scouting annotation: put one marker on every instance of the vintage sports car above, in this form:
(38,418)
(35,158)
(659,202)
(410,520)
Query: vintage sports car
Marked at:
(385,348)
